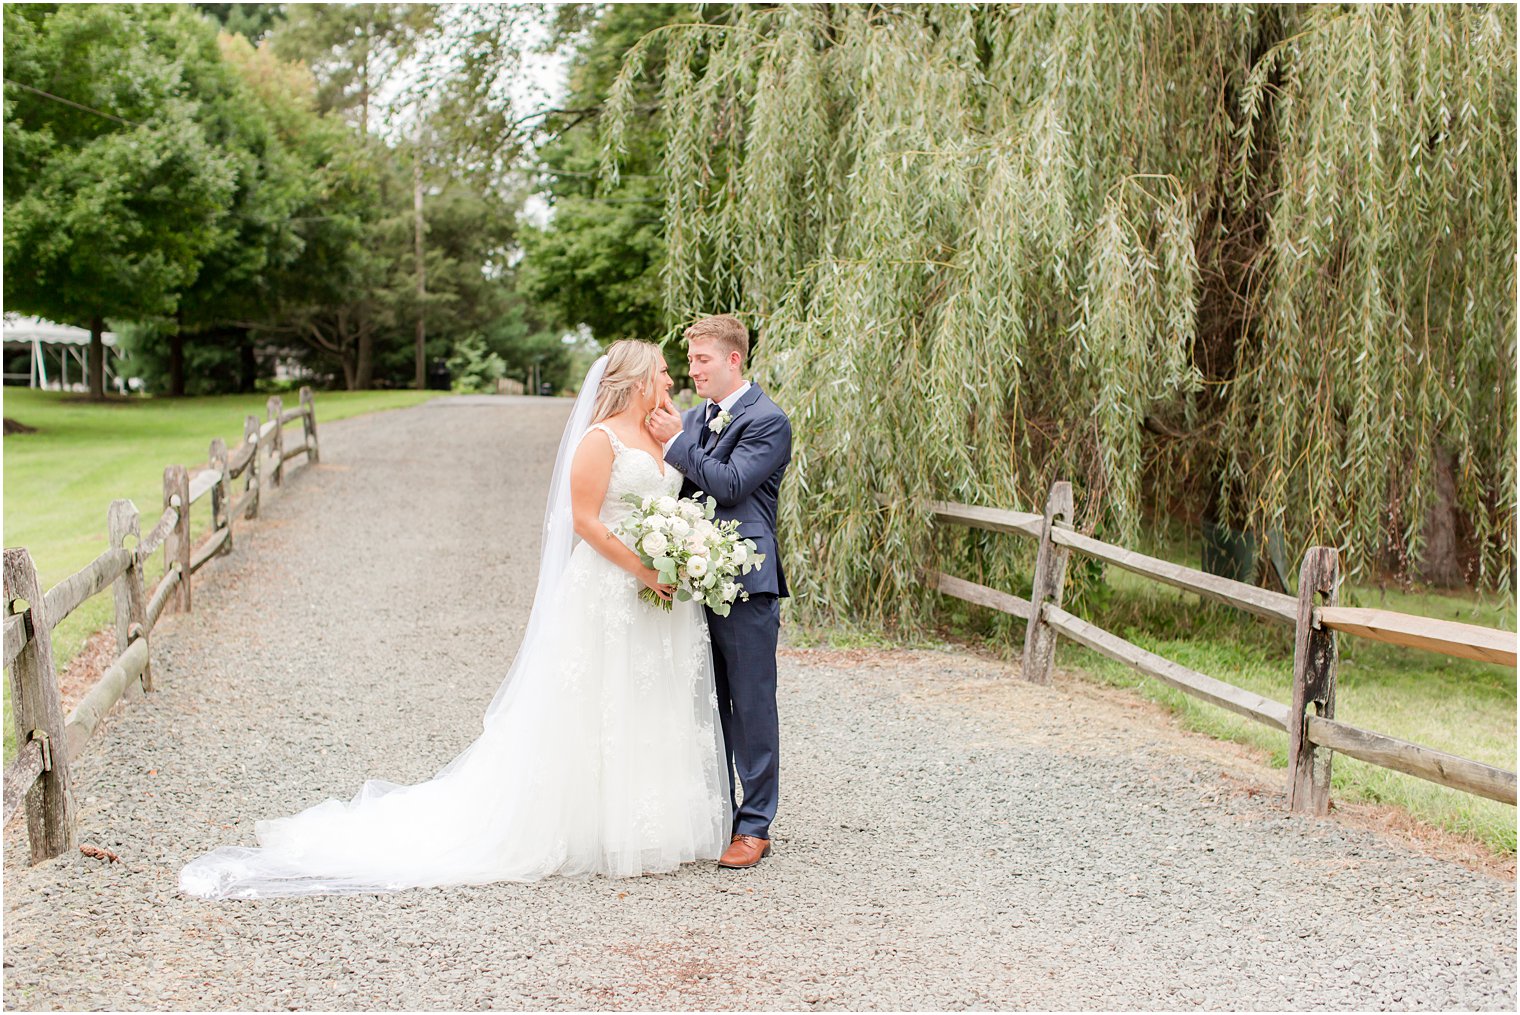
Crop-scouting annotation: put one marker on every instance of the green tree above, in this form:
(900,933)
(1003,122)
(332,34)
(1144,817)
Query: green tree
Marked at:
(353,49)
(598,261)
(529,348)
(231,289)
(469,234)
(473,367)
(260,116)
(252,21)
(114,193)
(337,299)
(442,278)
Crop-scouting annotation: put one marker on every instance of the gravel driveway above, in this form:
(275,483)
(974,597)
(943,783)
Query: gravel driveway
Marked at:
(948,837)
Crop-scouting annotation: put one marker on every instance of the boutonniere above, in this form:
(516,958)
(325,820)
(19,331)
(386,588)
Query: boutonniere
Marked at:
(720,421)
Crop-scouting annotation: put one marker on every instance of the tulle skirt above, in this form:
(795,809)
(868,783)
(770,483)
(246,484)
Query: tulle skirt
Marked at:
(602,754)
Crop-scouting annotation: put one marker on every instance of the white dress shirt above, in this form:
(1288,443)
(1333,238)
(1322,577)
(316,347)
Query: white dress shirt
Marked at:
(724,406)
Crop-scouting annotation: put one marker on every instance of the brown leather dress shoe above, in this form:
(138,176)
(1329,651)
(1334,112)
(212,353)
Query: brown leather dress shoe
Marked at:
(744,851)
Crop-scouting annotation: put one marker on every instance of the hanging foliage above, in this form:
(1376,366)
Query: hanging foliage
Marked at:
(1172,254)
(1388,291)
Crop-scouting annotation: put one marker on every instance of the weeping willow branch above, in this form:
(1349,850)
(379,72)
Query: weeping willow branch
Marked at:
(986,246)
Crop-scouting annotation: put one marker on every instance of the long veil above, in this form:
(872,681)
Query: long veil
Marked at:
(391,836)
(559,529)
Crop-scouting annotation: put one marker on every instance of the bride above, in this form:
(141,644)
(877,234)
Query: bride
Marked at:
(601,752)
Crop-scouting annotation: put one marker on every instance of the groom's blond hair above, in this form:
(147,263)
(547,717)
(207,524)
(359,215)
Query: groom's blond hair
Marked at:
(725,329)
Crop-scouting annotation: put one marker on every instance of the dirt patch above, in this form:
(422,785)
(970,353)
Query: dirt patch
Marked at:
(109,398)
(656,970)
(845,658)
(85,668)
(1437,843)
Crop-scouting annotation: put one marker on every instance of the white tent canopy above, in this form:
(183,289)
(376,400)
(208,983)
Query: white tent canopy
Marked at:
(44,339)
(35,329)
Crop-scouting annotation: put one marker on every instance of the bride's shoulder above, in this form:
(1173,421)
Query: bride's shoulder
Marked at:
(608,435)
(597,443)
(601,433)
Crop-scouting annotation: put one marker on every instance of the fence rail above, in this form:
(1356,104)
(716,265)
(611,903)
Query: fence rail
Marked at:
(39,776)
(1313,732)
(16,635)
(1466,641)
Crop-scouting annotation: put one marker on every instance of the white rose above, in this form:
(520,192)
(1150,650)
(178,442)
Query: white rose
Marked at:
(648,502)
(690,511)
(678,527)
(696,567)
(666,505)
(731,591)
(656,523)
(696,546)
(705,528)
(655,543)
(739,553)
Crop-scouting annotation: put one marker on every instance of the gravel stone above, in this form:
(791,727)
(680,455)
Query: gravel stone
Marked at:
(949,837)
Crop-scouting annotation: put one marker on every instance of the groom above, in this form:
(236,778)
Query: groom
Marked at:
(735,446)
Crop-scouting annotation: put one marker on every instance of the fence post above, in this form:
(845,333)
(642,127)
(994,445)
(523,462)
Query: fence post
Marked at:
(1049,583)
(1313,683)
(38,714)
(309,402)
(177,544)
(277,439)
(251,473)
(131,599)
(221,495)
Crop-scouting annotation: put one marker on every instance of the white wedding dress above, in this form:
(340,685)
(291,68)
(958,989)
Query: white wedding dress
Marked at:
(601,754)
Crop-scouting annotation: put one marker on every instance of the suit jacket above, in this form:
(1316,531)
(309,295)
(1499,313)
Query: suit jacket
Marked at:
(741,468)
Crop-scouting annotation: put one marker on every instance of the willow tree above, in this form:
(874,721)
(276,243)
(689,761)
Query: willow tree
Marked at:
(1262,258)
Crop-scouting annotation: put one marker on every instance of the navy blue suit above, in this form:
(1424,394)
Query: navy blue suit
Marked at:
(741,468)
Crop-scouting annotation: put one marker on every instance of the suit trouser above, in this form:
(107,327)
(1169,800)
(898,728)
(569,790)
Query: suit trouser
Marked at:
(744,672)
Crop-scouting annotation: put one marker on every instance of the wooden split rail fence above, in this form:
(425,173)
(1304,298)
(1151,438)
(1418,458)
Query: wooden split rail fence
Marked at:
(1309,719)
(48,742)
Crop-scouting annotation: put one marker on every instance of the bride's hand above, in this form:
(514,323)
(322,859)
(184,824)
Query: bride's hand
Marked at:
(651,579)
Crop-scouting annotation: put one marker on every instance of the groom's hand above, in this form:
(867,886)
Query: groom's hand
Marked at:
(664,422)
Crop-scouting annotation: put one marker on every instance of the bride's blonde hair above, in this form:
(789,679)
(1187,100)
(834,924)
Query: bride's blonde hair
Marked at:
(631,366)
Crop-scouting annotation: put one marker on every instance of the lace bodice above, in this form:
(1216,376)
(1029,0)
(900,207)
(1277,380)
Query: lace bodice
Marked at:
(634,471)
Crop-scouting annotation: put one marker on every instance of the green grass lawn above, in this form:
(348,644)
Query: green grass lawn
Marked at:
(1453,705)
(60,480)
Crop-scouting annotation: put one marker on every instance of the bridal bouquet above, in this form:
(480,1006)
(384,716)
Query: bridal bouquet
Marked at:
(700,557)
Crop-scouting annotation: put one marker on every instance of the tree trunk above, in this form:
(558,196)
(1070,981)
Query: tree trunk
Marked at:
(364,93)
(421,277)
(97,360)
(248,364)
(1230,248)
(1440,562)
(350,370)
(364,368)
(177,360)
